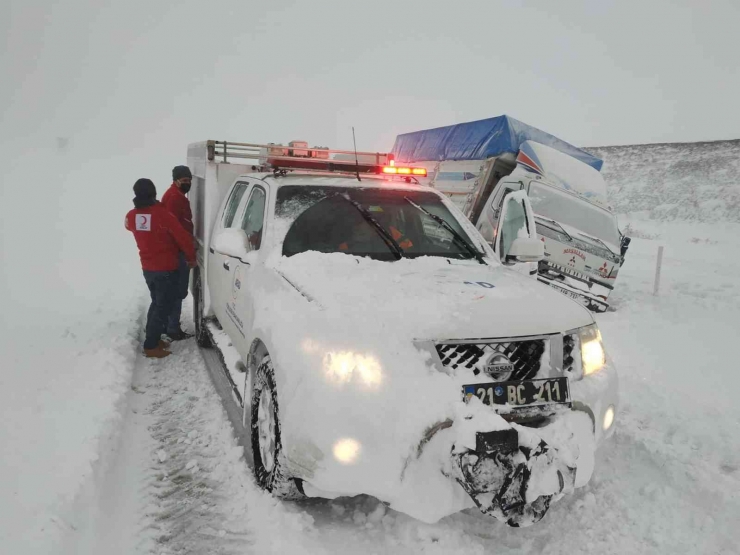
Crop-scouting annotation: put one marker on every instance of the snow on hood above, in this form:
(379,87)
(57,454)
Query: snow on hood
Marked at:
(433,298)
(341,333)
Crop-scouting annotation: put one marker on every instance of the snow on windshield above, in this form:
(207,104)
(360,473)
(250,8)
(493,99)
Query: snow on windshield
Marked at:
(326,219)
(572,211)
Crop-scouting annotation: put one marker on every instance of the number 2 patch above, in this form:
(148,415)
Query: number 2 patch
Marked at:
(143,222)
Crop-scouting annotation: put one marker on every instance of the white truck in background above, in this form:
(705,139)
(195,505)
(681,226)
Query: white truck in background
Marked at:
(477,163)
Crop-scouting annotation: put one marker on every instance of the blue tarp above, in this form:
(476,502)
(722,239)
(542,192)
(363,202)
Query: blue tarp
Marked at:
(479,140)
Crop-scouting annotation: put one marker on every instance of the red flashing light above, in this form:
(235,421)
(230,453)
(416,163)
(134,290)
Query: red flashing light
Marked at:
(402,170)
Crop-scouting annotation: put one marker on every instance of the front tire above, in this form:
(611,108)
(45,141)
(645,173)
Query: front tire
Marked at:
(267,449)
(201,333)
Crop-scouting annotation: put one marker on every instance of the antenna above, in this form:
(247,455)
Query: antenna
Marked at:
(357,161)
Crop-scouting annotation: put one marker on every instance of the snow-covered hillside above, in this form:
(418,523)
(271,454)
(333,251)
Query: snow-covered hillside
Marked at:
(678,181)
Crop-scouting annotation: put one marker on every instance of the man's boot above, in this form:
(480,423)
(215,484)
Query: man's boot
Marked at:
(179,335)
(156,352)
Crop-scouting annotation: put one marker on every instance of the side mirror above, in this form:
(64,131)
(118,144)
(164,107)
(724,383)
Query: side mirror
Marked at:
(624,244)
(525,249)
(231,242)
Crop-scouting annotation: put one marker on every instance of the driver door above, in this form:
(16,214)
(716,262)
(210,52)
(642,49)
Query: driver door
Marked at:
(489,218)
(219,264)
(516,221)
(252,223)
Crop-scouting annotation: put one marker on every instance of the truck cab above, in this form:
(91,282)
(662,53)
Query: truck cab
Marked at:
(476,163)
(584,248)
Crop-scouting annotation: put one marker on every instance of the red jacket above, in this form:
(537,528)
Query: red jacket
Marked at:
(160,238)
(176,202)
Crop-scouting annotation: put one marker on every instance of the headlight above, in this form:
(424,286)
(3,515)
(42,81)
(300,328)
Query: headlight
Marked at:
(608,418)
(346,450)
(341,366)
(592,351)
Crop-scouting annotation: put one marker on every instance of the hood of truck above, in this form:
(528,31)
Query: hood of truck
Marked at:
(432,297)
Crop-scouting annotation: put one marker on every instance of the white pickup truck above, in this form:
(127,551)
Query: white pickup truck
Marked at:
(385,348)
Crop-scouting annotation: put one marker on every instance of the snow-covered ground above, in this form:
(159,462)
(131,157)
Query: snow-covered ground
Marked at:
(104,451)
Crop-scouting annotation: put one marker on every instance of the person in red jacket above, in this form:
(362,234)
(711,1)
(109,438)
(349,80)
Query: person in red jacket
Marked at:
(177,203)
(161,241)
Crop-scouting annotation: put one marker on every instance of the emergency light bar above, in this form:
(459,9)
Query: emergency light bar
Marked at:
(313,159)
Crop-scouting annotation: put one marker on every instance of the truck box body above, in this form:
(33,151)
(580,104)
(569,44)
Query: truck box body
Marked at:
(473,162)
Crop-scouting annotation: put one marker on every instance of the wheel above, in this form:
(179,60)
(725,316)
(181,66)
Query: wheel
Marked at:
(201,333)
(269,469)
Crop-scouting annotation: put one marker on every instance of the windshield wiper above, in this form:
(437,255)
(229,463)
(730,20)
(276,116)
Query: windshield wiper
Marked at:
(556,223)
(394,247)
(456,236)
(597,240)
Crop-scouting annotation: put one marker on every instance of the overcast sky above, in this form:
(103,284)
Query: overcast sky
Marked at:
(161,74)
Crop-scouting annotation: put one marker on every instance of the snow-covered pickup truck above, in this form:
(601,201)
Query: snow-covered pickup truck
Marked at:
(387,349)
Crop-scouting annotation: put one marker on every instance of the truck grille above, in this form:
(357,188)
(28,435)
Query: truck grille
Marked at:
(524,355)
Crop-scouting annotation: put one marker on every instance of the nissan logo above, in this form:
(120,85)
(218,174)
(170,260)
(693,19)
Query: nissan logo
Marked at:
(498,366)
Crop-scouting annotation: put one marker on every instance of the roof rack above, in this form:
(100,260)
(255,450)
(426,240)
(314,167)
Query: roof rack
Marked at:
(298,156)
(294,150)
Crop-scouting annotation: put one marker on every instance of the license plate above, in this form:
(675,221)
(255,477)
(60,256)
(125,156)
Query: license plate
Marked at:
(566,292)
(529,392)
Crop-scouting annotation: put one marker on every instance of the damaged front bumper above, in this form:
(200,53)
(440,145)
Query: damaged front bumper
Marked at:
(513,477)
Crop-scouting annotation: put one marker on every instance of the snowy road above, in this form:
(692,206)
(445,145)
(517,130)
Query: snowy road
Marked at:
(668,483)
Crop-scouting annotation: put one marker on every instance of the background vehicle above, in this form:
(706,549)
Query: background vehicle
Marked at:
(361,307)
(475,164)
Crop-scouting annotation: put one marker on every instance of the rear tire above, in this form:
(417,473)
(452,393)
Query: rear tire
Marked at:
(267,449)
(201,333)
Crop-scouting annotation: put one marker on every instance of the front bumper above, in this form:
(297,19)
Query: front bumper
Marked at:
(452,470)
(580,287)
(514,477)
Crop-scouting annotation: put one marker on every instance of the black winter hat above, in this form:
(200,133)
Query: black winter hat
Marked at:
(144,188)
(145,191)
(178,172)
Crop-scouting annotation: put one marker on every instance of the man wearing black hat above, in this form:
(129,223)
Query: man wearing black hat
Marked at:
(161,241)
(178,204)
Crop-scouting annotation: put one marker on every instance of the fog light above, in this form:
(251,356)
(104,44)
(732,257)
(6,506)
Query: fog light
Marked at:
(608,417)
(346,450)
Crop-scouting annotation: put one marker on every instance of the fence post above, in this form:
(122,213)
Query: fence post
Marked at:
(658,264)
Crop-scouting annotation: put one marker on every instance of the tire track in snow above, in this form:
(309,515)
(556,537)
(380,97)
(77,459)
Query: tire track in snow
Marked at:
(179,483)
(203,496)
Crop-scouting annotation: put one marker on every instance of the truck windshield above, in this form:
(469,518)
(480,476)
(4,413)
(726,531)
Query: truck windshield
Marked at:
(323,220)
(574,212)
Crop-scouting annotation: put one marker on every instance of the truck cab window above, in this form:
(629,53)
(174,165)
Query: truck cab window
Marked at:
(254,217)
(236,197)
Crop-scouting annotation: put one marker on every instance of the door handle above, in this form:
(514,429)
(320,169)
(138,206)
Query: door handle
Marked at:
(226,265)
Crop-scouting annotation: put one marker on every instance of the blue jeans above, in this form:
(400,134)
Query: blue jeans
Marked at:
(162,288)
(180,286)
